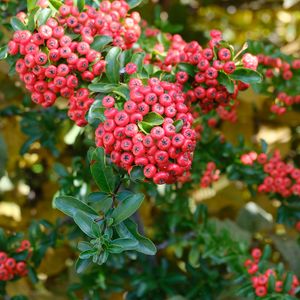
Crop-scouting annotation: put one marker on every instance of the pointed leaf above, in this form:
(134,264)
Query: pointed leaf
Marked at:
(113,65)
(82,264)
(70,205)
(17,24)
(134,3)
(102,87)
(225,80)
(43,16)
(84,222)
(100,42)
(3,52)
(246,75)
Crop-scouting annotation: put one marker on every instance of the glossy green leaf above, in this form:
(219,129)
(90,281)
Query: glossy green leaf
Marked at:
(31,20)
(96,113)
(137,174)
(178,125)
(84,222)
(70,205)
(127,207)
(128,229)
(80,4)
(84,246)
(17,24)
(88,253)
(101,201)
(113,64)
(144,127)
(246,75)
(122,91)
(188,68)
(102,173)
(100,42)
(82,264)
(102,87)
(194,256)
(138,59)
(122,244)
(134,3)
(225,80)
(43,15)
(288,282)
(153,119)
(3,52)
(56,3)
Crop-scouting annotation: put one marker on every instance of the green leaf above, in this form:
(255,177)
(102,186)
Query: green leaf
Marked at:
(102,173)
(134,3)
(178,125)
(246,75)
(127,207)
(31,5)
(137,174)
(194,256)
(43,15)
(264,146)
(225,80)
(153,119)
(84,222)
(122,244)
(288,282)
(100,42)
(101,201)
(96,113)
(31,19)
(188,68)
(144,127)
(113,65)
(122,91)
(17,24)
(102,87)
(80,4)
(84,246)
(70,205)
(138,59)
(3,52)
(88,253)
(82,264)
(3,156)
(128,229)
(56,3)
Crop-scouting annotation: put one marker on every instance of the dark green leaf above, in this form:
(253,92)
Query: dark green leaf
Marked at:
(194,256)
(134,3)
(113,64)
(100,42)
(84,222)
(128,229)
(101,201)
(137,174)
(84,246)
(246,75)
(3,52)
(3,156)
(144,127)
(102,87)
(264,146)
(178,125)
(102,173)
(122,91)
(17,24)
(138,59)
(82,264)
(225,80)
(88,253)
(80,4)
(70,205)
(43,15)
(31,19)
(122,244)
(288,282)
(127,207)
(96,113)
(188,68)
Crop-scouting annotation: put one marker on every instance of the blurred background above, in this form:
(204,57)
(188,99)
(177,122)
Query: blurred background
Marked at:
(30,179)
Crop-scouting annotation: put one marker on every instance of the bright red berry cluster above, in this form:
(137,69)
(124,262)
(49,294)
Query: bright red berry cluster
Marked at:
(54,63)
(282,178)
(206,88)
(274,69)
(260,280)
(210,175)
(129,136)
(10,268)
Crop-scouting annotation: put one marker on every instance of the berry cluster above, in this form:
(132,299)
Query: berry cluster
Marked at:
(164,146)
(260,280)
(277,69)
(210,175)
(10,268)
(54,63)
(282,178)
(205,88)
